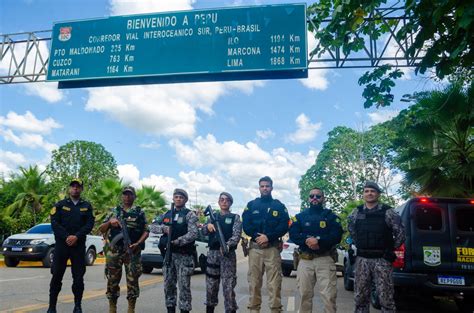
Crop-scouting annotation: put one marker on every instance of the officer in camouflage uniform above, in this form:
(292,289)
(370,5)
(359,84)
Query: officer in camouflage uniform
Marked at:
(376,230)
(219,265)
(317,231)
(71,220)
(117,255)
(265,220)
(183,249)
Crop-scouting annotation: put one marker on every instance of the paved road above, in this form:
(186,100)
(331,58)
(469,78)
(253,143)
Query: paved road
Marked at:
(25,289)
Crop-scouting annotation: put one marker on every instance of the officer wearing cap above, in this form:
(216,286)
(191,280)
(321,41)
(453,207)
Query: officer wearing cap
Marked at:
(184,232)
(219,265)
(71,220)
(265,220)
(117,254)
(317,231)
(376,230)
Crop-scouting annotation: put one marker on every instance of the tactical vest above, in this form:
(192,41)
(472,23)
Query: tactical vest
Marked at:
(135,224)
(373,236)
(180,228)
(226,223)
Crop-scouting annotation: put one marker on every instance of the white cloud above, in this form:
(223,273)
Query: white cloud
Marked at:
(317,78)
(47,90)
(150,145)
(162,183)
(122,7)
(129,174)
(27,140)
(28,123)
(305,132)
(237,167)
(9,162)
(265,134)
(381,116)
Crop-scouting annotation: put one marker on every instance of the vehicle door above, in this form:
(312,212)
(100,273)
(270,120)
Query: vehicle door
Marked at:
(462,235)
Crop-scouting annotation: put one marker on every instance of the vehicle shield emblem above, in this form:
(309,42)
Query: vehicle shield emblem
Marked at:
(432,256)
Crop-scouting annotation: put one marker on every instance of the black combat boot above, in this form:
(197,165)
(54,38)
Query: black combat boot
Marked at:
(77,308)
(209,309)
(171,309)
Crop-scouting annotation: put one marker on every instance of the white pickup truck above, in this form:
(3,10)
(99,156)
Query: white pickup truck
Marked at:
(37,244)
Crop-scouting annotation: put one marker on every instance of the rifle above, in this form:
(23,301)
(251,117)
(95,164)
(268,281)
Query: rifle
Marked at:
(123,235)
(170,233)
(209,212)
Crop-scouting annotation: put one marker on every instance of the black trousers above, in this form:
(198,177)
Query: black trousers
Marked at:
(62,253)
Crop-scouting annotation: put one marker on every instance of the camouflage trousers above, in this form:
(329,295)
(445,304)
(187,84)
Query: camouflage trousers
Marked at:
(377,272)
(115,259)
(179,273)
(225,267)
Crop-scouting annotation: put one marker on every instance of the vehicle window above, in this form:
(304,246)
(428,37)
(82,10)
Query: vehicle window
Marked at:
(40,229)
(465,219)
(428,218)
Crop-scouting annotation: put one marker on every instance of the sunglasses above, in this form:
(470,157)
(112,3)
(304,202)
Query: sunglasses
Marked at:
(315,196)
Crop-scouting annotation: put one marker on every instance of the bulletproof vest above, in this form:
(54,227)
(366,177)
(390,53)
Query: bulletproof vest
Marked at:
(180,228)
(373,236)
(226,223)
(135,224)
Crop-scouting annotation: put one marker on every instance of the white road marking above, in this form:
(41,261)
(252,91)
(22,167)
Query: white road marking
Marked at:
(290,307)
(25,278)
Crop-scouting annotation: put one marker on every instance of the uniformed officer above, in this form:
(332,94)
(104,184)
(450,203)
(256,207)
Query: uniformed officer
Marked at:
(376,230)
(317,231)
(222,265)
(265,220)
(184,233)
(117,256)
(71,219)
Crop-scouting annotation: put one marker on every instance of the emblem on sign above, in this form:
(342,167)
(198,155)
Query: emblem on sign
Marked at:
(432,256)
(65,33)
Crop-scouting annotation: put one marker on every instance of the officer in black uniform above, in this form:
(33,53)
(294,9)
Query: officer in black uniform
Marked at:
(71,219)
(265,220)
(317,231)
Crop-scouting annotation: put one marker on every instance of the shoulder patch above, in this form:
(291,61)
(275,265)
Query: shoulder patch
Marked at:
(53,211)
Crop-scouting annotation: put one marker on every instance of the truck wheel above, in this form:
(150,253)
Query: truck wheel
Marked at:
(11,262)
(203,263)
(348,283)
(48,258)
(147,269)
(90,256)
(286,271)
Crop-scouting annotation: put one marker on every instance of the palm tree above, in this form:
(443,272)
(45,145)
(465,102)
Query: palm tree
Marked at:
(104,196)
(435,143)
(151,201)
(32,193)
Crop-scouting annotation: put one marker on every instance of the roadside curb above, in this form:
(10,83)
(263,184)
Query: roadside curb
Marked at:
(39,264)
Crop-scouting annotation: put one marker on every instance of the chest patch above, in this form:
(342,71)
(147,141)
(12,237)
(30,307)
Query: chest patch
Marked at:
(131,219)
(255,212)
(83,209)
(307,224)
(275,213)
(228,220)
(180,220)
(65,208)
(322,224)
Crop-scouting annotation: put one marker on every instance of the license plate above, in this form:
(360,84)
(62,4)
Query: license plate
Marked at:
(451,280)
(17,249)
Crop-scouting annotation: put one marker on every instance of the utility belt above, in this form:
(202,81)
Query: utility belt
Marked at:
(185,250)
(276,244)
(311,256)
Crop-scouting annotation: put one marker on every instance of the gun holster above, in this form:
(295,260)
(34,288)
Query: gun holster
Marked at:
(296,258)
(162,245)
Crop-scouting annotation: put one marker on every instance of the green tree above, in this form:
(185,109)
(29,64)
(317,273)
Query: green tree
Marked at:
(31,195)
(435,143)
(347,160)
(84,159)
(151,201)
(444,30)
(106,194)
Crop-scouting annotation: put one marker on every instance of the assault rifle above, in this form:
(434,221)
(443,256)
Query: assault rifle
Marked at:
(170,234)
(123,235)
(212,216)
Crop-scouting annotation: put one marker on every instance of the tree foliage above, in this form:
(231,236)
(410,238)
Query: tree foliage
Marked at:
(86,160)
(347,160)
(444,30)
(435,143)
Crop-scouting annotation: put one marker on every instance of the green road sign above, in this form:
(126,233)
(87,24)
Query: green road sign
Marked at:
(255,42)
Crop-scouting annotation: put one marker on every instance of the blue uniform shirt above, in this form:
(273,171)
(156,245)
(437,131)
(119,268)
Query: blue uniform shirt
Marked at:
(266,216)
(316,222)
